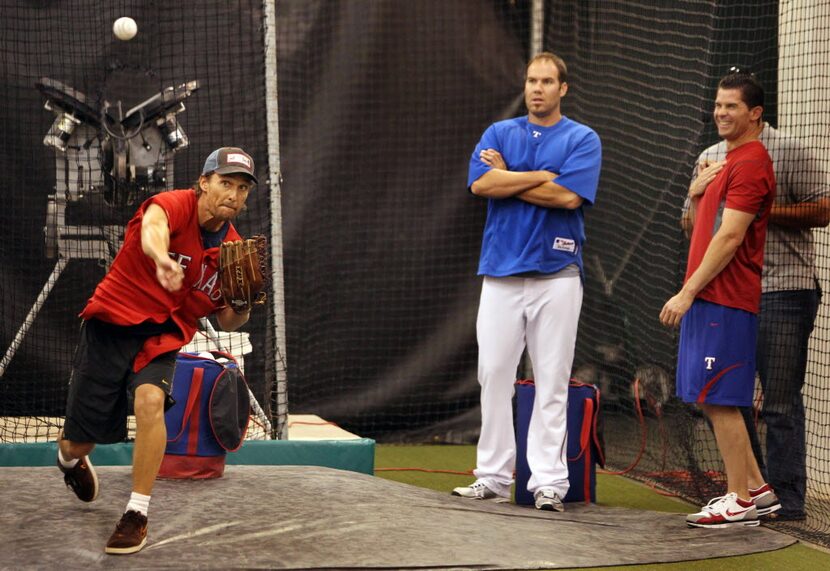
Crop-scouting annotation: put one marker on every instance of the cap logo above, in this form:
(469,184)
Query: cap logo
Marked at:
(239,159)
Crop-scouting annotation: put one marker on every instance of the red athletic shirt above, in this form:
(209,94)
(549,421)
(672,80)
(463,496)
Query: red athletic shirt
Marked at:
(746,183)
(130,292)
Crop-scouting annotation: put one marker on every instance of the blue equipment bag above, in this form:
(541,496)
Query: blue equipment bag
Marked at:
(209,418)
(585,446)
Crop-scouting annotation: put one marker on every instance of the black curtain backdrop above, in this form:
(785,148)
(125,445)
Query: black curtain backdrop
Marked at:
(381,105)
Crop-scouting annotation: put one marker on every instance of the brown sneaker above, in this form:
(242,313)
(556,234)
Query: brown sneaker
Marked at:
(81,479)
(130,534)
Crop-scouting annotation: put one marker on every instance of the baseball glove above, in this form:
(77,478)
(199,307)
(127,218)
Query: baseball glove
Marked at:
(243,272)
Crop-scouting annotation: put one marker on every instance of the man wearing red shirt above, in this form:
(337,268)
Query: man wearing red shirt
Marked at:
(718,304)
(164,278)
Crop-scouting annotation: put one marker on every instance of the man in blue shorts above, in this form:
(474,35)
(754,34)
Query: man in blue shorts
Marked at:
(538,172)
(718,305)
(789,303)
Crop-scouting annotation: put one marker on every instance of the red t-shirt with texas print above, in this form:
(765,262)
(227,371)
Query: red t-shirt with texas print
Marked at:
(130,292)
(746,183)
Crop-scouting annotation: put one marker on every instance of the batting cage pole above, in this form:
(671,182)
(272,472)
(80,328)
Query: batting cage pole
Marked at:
(537,19)
(275,194)
(536,46)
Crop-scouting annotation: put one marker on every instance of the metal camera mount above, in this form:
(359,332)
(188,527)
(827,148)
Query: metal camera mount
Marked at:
(106,164)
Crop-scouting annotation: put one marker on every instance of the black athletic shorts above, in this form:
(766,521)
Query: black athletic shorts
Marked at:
(103,383)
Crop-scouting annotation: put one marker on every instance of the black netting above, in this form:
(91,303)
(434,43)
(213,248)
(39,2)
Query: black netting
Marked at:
(65,207)
(380,105)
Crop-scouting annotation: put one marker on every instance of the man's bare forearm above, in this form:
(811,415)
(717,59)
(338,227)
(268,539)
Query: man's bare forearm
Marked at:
(498,183)
(155,234)
(551,195)
(805,215)
(720,252)
(229,320)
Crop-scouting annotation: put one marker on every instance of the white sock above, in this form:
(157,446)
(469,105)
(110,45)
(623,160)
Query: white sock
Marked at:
(64,462)
(139,503)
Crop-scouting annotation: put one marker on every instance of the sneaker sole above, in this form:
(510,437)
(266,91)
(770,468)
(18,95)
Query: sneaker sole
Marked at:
(769,510)
(495,498)
(547,508)
(751,523)
(764,511)
(94,478)
(125,550)
(468,497)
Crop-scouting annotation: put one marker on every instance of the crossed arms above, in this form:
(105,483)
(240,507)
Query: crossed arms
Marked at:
(534,187)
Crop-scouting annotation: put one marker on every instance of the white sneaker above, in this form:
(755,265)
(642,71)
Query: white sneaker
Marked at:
(547,499)
(724,512)
(477,491)
(764,498)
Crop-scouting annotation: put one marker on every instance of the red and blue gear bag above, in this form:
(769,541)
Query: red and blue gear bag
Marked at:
(209,418)
(585,446)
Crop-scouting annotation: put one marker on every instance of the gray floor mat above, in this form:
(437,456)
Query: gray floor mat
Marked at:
(290,517)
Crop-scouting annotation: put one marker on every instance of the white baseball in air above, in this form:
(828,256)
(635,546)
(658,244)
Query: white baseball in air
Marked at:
(125,28)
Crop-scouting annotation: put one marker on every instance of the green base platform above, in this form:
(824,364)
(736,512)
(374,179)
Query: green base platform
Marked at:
(356,455)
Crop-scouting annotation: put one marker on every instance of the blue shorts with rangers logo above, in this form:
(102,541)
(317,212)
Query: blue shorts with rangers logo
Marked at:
(716,359)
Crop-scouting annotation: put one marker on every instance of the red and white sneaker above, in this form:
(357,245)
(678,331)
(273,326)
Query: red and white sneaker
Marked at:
(765,500)
(726,511)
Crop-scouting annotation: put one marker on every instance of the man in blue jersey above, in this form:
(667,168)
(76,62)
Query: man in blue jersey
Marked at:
(537,172)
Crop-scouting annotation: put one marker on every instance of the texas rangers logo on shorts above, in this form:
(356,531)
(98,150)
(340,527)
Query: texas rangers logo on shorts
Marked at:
(709,362)
(564,244)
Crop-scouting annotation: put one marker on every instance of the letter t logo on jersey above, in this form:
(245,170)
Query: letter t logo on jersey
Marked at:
(709,361)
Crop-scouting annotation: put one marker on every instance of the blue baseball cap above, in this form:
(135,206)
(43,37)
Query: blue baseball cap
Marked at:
(230,160)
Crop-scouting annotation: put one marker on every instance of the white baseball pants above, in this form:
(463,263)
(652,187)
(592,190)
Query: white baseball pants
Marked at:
(542,314)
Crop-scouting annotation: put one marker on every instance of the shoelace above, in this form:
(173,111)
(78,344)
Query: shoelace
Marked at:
(715,502)
(710,506)
(131,518)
